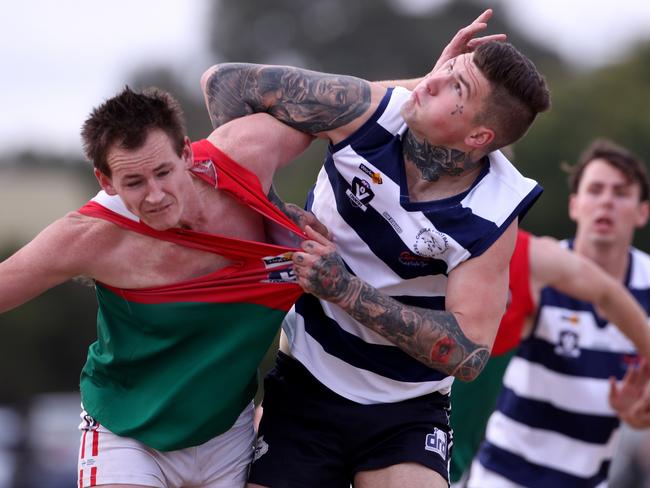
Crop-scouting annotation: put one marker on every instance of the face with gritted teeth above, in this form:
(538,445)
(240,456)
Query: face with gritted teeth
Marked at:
(152,180)
(606,206)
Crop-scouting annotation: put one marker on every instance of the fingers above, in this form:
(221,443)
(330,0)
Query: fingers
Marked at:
(484,17)
(317,225)
(613,391)
(474,43)
(317,236)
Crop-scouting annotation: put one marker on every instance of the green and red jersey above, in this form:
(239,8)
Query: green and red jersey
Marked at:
(173,366)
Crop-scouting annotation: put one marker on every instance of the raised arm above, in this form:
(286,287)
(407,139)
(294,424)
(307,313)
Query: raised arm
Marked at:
(456,341)
(463,42)
(321,104)
(579,277)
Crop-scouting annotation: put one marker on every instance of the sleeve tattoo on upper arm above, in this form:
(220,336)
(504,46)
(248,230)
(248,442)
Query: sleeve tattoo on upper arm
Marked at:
(306,100)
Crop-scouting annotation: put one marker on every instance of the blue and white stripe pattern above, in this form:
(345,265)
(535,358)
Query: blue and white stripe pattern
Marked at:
(405,249)
(553,425)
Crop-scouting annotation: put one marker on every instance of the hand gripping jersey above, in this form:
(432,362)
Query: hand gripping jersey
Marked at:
(173,366)
(403,248)
(469,417)
(553,425)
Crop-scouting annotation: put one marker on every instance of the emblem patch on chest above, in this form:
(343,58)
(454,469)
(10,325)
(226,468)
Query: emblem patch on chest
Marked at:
(568,344)
(360,194)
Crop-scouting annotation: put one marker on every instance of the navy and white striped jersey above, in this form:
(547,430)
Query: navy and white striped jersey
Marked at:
(405,249)
(553,425)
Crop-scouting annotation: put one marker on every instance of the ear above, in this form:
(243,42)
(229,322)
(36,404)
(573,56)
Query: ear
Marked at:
(572,205)
(105,182)
(188,154)
(642,214)
(480,137)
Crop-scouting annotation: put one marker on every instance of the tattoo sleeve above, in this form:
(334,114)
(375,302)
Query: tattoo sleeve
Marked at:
(433,337)
(435,161)
(306,100)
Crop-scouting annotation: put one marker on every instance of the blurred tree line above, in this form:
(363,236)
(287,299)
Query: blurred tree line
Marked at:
(44,342)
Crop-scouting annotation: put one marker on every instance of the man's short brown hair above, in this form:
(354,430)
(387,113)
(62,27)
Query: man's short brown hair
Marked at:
(622,159)
(127,119)
(518,92)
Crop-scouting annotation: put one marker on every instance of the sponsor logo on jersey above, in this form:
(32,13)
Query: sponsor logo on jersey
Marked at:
(360,194)
(437,442)
(277,261)
(376,177)
(407,258)
(389,218)
(568,344)
(284,276)
(572,319)
(430,243)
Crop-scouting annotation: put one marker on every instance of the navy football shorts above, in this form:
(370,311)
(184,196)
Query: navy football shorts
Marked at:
(310,437)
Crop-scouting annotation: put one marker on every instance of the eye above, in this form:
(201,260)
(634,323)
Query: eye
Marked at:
(163,173)
(133,184)
(458,89)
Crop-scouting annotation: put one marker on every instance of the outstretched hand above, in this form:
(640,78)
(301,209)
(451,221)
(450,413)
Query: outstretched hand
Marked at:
(464,40)
(631,399)
(319,269)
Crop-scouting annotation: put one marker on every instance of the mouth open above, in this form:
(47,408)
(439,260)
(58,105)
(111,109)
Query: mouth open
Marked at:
(604,223)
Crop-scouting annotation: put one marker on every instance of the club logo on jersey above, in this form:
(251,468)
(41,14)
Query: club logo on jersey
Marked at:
(437,442)
(261,448)
(277,261)
(284,276)
(376,177)
(207,168)
(360,194)
(430,243)
(568,344)
(393,223)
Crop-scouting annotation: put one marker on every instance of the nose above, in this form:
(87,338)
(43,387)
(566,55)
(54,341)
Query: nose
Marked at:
(434,81)
(607,198)
(155,193)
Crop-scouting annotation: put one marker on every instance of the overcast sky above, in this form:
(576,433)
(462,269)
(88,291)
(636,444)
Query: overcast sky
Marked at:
(60,58)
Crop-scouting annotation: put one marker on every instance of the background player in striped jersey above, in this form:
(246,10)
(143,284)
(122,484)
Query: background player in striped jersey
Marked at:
(360,390)
(554,425)
(536,263)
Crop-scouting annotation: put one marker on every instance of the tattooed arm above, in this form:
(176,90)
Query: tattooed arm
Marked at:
(456,341)
(327,105)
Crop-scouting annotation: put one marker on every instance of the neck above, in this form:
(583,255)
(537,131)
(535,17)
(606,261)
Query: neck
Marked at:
(194,215)
(612,258)
(427,166)
(433,162)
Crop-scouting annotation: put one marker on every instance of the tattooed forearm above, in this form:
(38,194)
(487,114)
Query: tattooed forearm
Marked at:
(436,161)
(306,100)
(431,336)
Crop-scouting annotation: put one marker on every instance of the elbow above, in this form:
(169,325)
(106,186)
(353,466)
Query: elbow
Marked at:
(207,76)
(469,369)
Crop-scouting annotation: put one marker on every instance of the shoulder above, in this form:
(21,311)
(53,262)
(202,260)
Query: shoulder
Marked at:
(640,272)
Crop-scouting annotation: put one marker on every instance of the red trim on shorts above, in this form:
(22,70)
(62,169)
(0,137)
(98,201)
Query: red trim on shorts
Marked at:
(93,476)
(81,478)
(83,445)
(95,443)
